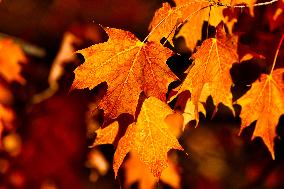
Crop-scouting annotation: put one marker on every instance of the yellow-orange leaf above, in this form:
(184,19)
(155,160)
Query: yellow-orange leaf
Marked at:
(199,12)
(210,73)
(164,23)
(149,138)
(129,67)
(107,135)
(11,55)
(264,103)
(193,12)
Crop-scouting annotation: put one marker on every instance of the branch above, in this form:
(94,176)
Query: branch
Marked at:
(257,4)
(244,6)
(27,47)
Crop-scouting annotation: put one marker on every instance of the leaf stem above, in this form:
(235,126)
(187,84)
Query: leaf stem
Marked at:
(28,48)
(276,54)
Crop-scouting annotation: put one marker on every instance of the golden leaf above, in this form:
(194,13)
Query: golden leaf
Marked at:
(264,102)
(149,138)
(192,12)
(164,23)
(210,73)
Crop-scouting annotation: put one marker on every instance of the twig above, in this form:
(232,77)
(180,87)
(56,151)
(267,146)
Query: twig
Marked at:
(244,6)
(27,47)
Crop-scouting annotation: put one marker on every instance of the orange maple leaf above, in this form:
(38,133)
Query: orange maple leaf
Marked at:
(210,73)
(164,23)
(264,103)
(11,55)
(129,67)
(193,13)
(149,138)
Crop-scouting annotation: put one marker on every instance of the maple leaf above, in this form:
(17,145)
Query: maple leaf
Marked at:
(11,55)
(192,29)
(149,138)
(129,67)
(264,103)
(164,23)
(210,73)
(192,12)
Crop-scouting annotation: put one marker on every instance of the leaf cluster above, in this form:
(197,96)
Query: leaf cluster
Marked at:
(131,66)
